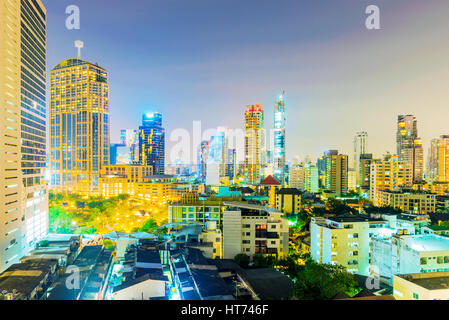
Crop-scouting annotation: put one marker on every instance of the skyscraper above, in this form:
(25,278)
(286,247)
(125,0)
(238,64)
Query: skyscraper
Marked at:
(24,200)
(443,159)
(152,142)
(130,138)
(203,151)
(79,125)
(360,147)
(297,176)
(254,143)
(279,140)
(433,160)
(336,172)
(311,178)
(364,172)
(409,145)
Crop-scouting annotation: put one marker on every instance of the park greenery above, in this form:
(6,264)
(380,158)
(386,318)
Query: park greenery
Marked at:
(72,213)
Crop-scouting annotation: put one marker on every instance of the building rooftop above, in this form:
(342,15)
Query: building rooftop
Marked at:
(73,63)
(245,205)
(428,280)
(267,283)
(293,191)
(27,276)
(270,181)
(88,255)
(354,218)
(425,243)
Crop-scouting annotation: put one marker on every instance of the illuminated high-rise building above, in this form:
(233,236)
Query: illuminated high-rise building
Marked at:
(311,178)
(360,147)
(130,138)
(433,161)
(24,199)
(443,159)
(254,143)
(409,145)
(336,172)
(152,142)
(203,151)
(279,140)
(389,174)
(364,171)
(79,123)
(297,176)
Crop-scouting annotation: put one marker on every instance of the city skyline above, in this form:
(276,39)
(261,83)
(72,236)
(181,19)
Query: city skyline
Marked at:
(374,84)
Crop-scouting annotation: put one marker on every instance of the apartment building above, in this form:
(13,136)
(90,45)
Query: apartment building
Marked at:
(253,229)
(389,174)
(288,200)
(412,202)
(345,240)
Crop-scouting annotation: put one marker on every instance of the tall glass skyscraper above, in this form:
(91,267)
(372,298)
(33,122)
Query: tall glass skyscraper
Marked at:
(79,125)
(152,142)
(360,147)
(279,140)
(203,152)
(24,199)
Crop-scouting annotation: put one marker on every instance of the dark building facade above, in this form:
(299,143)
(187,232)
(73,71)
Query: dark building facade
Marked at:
(152,142)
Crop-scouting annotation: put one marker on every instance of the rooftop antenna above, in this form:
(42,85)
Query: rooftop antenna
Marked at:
(79,45)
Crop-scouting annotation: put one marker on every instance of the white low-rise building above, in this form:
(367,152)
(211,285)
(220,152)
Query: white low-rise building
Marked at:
(403,254)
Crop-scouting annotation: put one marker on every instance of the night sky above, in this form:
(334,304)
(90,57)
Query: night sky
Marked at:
(206,59)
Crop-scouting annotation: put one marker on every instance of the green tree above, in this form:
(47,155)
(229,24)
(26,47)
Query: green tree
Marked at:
(150,226)
(242,260)
(323,281)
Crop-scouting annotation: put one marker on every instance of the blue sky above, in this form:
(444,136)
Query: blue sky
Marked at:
(206,59)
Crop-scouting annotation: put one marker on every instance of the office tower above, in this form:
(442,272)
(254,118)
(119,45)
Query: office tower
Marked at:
(130,138)
(352,179)
(152,142)
(311,178)
(203,152)
(297,175)
(391,174)
(279,140)
(360,147)
(443,159)
(433,161)
(409,145)
(120,154)
(231,161)
(365,171)
(24,201)
(79,123)
(321,164)
(254,143)
(336,172)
